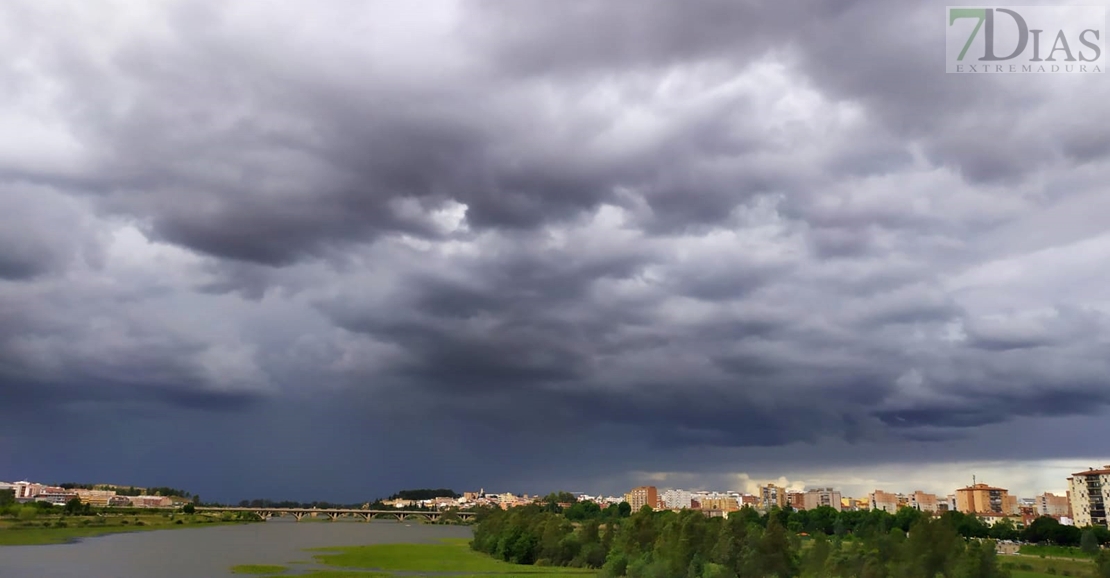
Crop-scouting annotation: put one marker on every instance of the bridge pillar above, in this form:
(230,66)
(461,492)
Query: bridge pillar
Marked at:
(298,515)
(333,515)
(367,516)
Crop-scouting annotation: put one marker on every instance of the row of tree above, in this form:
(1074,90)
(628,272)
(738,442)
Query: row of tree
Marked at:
(689,544)
(832,522)
(129,490)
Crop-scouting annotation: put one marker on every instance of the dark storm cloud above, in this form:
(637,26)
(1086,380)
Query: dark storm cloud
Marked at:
(669,233)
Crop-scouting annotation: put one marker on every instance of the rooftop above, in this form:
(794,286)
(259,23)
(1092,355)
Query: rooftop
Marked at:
(1093,472)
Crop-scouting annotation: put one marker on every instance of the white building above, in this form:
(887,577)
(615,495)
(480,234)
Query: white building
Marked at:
(1090,496)
(677,499)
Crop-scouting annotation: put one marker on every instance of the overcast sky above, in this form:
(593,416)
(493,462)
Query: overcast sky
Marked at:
(328,250)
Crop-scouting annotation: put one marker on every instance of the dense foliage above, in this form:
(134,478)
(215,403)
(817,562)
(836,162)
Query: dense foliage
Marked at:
(129,490)
(783,543)
(423,494)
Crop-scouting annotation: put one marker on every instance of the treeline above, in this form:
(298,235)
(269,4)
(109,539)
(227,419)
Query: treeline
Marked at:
(129,491)
(832,522)
(424,494)
(689,544)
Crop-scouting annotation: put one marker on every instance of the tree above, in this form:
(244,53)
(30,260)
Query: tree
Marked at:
(75,507)
(189,509)
(1004,529)
(778,559)
(624,509)
(1088,542)
(1102,562)
(7,498)
(907,517)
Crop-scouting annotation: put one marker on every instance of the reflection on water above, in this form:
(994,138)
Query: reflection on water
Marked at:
(205,552)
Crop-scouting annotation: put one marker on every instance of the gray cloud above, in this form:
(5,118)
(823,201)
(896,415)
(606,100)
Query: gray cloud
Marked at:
(670,237)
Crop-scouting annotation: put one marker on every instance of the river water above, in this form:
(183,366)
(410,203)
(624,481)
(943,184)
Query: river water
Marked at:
(206,552)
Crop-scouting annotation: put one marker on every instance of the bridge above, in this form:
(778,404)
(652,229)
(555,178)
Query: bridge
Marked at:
(334,514)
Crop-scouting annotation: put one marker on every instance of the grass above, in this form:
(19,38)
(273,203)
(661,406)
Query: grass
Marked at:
(258,569)
(44,531)
(1055,552)
(447,556)
(1025,566)
(355,574)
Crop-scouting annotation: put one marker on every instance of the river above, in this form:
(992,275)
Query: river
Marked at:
(206,552)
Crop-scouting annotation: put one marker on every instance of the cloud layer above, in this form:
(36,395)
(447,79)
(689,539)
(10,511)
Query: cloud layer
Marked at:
(537,244)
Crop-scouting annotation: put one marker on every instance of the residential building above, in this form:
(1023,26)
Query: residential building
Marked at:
(56,498)
(27,490)
(885,501)
(796,500)
(676,499)
(722,503)
(772,496)
(822,497)
(749,500)
(98,498)
(986,499)
(925,502)
(150,502)
(643,496)
(1048,504)
(1090,496)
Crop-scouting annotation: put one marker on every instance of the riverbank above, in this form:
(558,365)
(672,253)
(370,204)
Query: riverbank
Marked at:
(446,557)
(67,529)
(1027,566)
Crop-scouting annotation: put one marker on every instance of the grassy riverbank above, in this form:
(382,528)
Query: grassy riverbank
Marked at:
(62,529)
(1025,566)
(412,560)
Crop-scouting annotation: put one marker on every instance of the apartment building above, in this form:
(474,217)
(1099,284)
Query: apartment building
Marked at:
(676,499)
(986,499)
(722,503)
(1090,496)
(925,502)
(98,498)
(796,500)
(643,496)
(822,497)
(1048,504)
(772,496)
(885,501)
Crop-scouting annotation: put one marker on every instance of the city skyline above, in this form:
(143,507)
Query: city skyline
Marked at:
(857,488)
(326,251)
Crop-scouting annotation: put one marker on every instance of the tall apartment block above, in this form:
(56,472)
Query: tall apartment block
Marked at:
(1090,495)
(984,499)
(643,496)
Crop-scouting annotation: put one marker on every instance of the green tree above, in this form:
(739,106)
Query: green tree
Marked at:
(1004,529)
(1102,563)
(75,507)
(980,560)
(624,509)
(28,512)
(7,498)
(817,556)
(189,509)
(776,556)
(1088,541)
